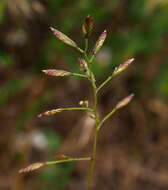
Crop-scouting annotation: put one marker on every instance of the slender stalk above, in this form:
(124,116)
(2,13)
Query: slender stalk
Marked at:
(98,125)
(79,75)
(106,117)
(91,59)
(104,83)
(76,108)
(92,163)
(86,45)
(85,51)
(86,57)
(80,50)
(67,160)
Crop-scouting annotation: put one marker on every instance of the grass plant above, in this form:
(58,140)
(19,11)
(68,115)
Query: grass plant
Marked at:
(85,62)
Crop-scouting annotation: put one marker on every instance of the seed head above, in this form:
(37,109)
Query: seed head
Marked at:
(124,101)
(50,112)
(57,73)
(123,66)
(99,42)
(87,26)
(63,37)
(32,167)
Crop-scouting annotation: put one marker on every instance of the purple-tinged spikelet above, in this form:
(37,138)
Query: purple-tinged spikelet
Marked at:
(50,112)
(87,26)
(32,167)
(99,42)
(63,37)
(123,66)
(57,73)
(124,101)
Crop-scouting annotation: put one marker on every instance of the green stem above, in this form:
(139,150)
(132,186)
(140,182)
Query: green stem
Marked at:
(68,160)
(86,45)
(86,57)
(106,117)
(104,83)
(76,108)
(79,75)
(92,163)
(80,50)
(91,59)
(85,52)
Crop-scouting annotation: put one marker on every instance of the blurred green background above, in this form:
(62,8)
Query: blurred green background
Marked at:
(132,150)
